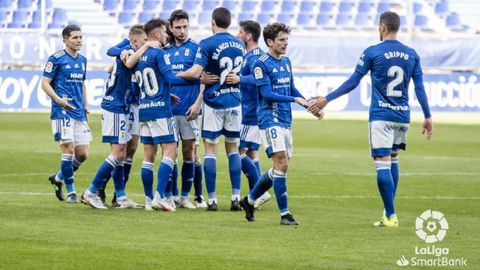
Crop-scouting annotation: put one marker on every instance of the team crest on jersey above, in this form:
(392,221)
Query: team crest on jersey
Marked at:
(49,67)
(187,52)
(258,73)
(167,59)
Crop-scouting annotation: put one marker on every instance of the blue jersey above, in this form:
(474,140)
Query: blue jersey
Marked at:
(275,72)
(221,54)
(182,58)
(249,92)
(154,90)
(67,74)
(392,65)
(118,89)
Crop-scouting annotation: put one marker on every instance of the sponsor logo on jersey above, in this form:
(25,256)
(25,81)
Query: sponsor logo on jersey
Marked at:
(258,73)
(49,67)
(76,75)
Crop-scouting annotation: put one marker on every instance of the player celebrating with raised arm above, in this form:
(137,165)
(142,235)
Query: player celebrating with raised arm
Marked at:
(392,66)
(220,54)
(274,80)
(64,82)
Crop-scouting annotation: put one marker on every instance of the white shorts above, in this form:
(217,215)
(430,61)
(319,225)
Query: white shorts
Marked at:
(277,139)
(387,137)
(68,130)
(186,130)
(115,128)
(218,122)
(158,131)
(250,137)
(133,123)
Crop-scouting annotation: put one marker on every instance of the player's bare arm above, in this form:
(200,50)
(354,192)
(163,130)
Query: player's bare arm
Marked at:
(191,73)
(133,59)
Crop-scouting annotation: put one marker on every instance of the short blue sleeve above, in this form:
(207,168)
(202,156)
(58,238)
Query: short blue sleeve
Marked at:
(163,61)
(51,67)
(202,56)
(260,73)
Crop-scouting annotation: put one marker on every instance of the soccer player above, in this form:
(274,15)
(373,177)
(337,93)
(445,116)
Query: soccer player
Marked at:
(181,52)
(64,82)
(249,32)
(274,80)
(220,54)
(154,76)
(392,66)
(116,131)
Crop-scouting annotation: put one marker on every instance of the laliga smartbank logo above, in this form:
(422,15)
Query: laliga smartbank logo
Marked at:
(431,226)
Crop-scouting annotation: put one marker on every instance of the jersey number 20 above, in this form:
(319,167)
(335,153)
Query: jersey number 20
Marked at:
(147,77)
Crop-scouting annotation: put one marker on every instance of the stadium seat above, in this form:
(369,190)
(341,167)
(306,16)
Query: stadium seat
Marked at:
(150,5)
(326,7)
(365,7)
(285,18)
(146,16)
(205,18)
(383,6)
(125,18)
(307,6)
(59,16)
(324,20)
(56,25)
(245,16)
(288,6)
(403,23)
(417,8)
(304,20)
(421,22)
(441,8)
(264,18)
(130,5)
(346,7)
(110,5)
(230,4)
(6,5)
(249,6)
(453,22)
(3,19)
(48,4)
(364,21)
(209,4)
(169,5)
(26,5)
(165,15)
(36,20)
(190,6)
(267,6)
(344,20)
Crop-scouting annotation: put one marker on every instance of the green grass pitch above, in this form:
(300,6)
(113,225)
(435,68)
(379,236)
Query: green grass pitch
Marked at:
(332,194)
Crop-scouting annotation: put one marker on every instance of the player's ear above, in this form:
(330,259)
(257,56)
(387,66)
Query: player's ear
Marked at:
(269,42)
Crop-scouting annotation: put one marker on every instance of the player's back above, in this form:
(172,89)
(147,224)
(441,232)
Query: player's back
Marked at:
(221,54)
(154,89)
(182,58)
(392,66)
(118,89)
(249,92)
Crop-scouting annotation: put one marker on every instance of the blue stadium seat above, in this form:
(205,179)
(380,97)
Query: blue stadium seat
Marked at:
(441,7)
(267,6)
(307,6)
(346,7)
(344,20)
(25,5)
(264,18)
(285,17)
(324,20)
(383,6)
(3,18)
(403,23)
(326,7)
(110,5)
(365,7)
(130,5)
(146,16)
(244,16)
(150,5)
(417,8)
(209,4)
(421,22)
(48,4)
(190,5)
(364,21)
(288,6)
(125,18)
(6,5)
(304,20)
(205,18)
(230,4)
(165,15)
(59,15)
(56,25)
(453,22)
(169,5)
(249,6)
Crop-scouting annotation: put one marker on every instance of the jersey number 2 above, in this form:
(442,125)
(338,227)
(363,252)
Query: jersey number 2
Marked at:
(148,78)
(397,73)
(229,66)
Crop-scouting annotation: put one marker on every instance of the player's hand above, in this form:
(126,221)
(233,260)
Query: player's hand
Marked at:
(302,102)
(174,99)
(63,102)
(193,112)
(232,78)
(208,78)
(110,69)
(125,54)
(320,114)
(318,105)
(427,128)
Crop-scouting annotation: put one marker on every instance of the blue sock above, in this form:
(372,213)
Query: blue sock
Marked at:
(168,188)
(127,167)
(66,166)
(385,185)
(197,179)
(188,170)
(118,180)
(257,164)
(175,180)
(147,178)
(103,172)
(164,171)
(104,183)
(263,184)
(210,170)
(76,164)
(250,171)
(395,170)
(235,169)
(280,189)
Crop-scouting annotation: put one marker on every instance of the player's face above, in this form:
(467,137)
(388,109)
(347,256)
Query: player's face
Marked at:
(242,35)
(279,44)
(139,40)
(74,41)
(179,29)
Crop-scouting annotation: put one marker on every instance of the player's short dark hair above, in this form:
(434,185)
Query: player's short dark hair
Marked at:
(69,29)
(137,29)
(271,31)
(253,28)
(153,24)
(391,20)
(222,17)
(178,14)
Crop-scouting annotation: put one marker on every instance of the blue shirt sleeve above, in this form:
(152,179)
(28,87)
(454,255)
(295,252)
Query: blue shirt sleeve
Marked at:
(247,80)
(420,89)
(202,56)
(51,67)
(164,65)
(117,49)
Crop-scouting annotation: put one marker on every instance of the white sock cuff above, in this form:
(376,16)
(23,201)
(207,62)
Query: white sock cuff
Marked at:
(212,156)
(128,161)
(76,163)
(394,160)
(383,165)
(233,153)
(188,161)
(67,157)
(270,173)
(242,156)
(168,161)
(112,161)
(277,173)
(147,165)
